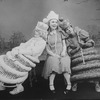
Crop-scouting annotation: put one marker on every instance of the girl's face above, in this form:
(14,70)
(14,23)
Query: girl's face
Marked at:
(71,29)
(53,24)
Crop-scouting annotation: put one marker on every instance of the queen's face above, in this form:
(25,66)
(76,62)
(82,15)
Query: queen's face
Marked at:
(53,24)
(44,34)
(40,33)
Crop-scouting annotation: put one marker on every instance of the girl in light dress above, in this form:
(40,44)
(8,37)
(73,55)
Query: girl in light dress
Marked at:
(58,60)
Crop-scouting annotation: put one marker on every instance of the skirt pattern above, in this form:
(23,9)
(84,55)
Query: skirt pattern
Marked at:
(88,71)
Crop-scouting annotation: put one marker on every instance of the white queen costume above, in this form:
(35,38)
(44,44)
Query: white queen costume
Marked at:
(15,64)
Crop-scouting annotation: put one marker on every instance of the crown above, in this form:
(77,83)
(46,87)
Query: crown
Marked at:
(41,26)
(51,15)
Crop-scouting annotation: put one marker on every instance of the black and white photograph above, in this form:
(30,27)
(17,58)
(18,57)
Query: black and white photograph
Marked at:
(49,49)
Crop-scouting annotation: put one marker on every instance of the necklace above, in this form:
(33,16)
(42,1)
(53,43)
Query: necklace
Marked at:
(55,35)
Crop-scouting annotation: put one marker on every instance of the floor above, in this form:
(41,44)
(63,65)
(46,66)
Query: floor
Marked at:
(40,91)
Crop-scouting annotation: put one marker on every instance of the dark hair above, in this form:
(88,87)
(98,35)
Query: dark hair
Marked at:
(49,28)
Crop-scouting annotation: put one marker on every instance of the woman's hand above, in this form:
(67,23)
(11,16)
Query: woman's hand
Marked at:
(81,44)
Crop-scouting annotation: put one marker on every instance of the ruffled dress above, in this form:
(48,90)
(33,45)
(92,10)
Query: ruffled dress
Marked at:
(54,64)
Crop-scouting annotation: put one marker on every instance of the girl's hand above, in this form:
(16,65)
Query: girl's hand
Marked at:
(57,56)
(63,54)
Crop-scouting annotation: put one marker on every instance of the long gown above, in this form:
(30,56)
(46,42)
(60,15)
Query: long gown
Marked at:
(58,65)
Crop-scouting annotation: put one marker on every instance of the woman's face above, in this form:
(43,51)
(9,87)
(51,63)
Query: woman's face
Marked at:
(53,24)
(44,35)
(40,33)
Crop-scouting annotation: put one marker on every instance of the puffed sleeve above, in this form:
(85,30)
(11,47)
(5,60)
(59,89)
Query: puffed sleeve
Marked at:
(39,47)
(64,35)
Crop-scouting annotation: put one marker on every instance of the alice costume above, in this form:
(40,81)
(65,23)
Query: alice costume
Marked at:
(54,64)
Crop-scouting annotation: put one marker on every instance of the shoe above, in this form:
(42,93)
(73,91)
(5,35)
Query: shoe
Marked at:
(52,89)
(97,87)
(2,86)
(74,87)
(17,90)
(67,89)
